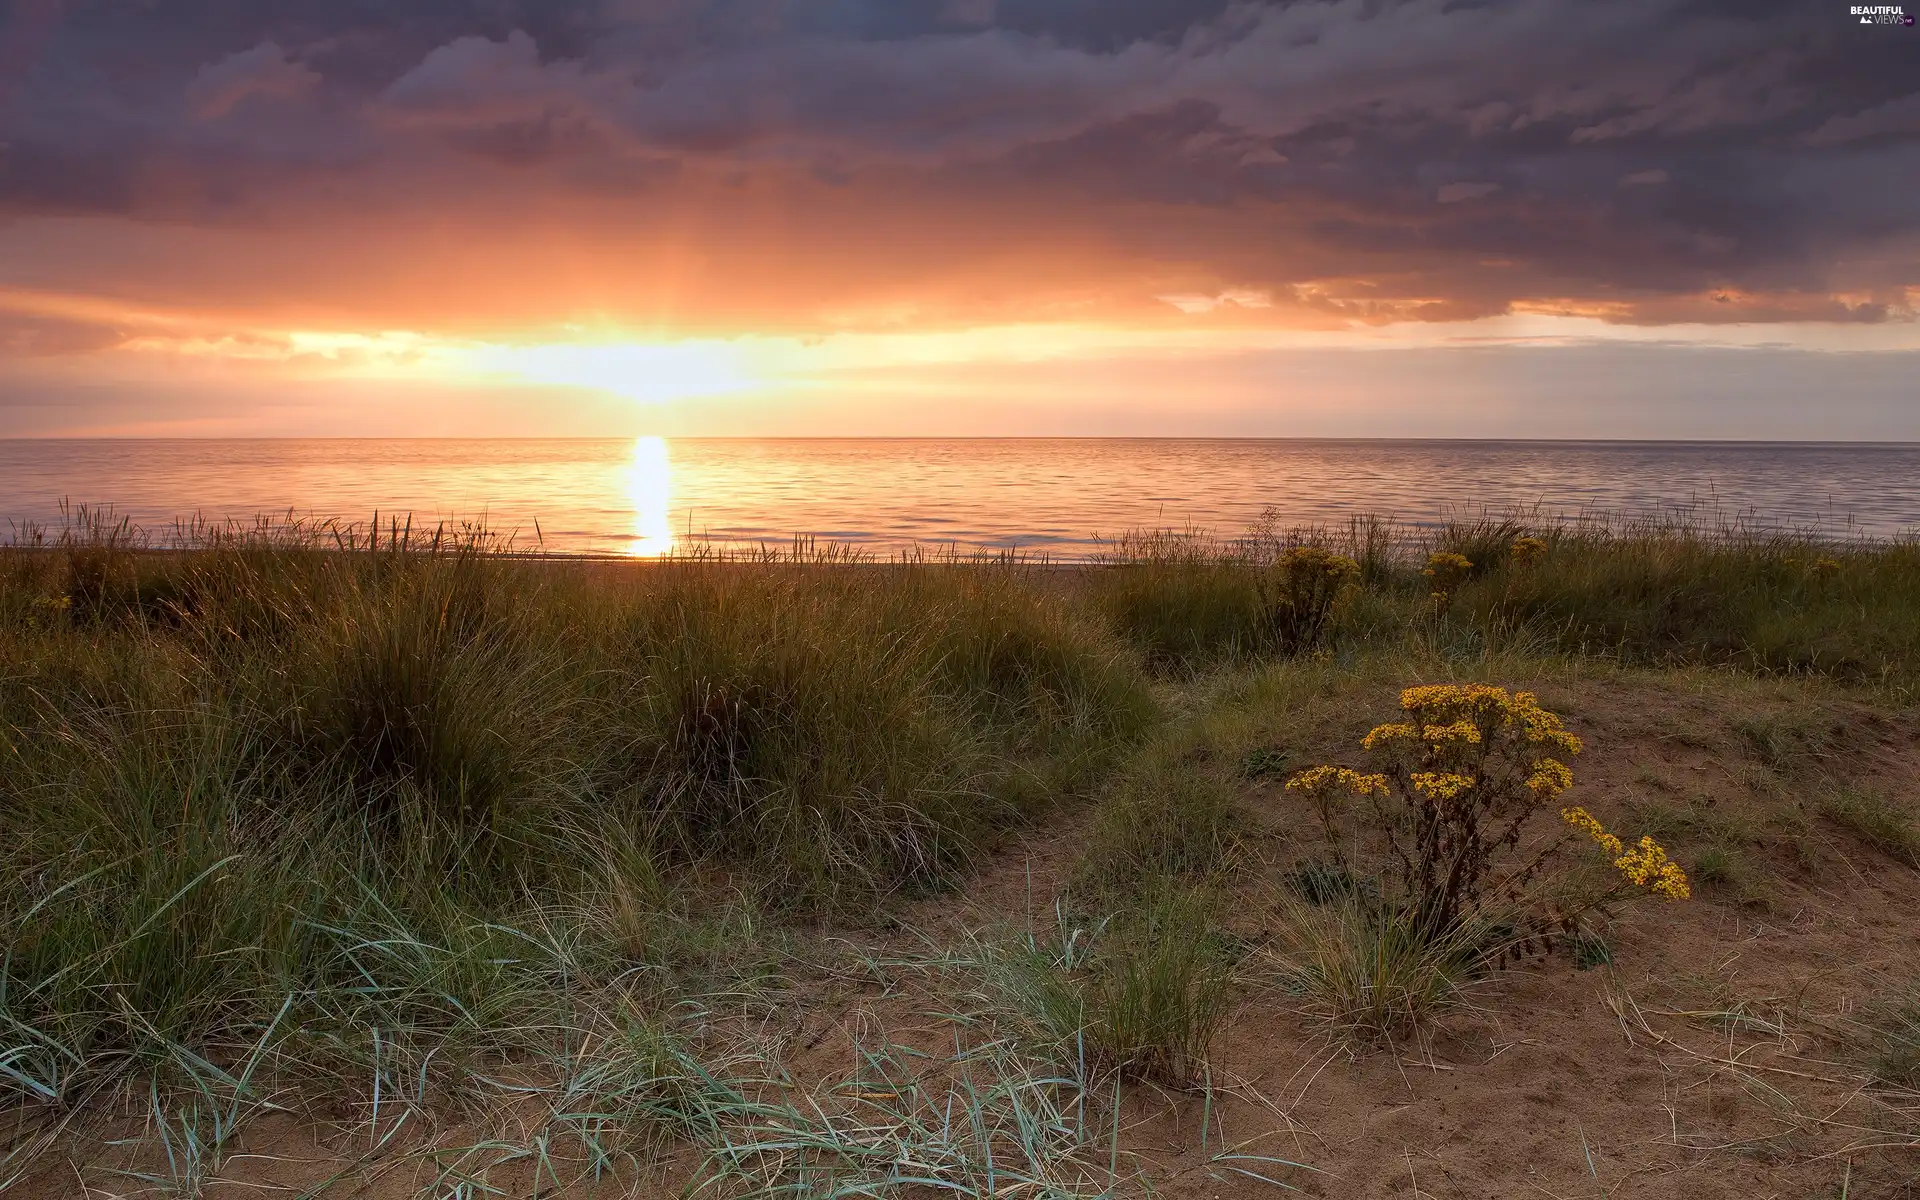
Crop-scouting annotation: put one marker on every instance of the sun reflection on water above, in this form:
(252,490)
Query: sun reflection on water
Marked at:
(650,490)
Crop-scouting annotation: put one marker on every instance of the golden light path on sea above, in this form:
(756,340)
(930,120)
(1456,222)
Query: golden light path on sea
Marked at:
(650,490)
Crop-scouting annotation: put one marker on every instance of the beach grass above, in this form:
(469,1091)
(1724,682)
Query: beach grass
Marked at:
(297,814)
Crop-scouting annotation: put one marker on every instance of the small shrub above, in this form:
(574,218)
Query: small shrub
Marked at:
(1301,593)
(1527,551)
(1465,774)
(1445,572)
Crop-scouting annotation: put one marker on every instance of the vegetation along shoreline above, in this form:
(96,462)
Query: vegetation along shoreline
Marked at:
(1348,861)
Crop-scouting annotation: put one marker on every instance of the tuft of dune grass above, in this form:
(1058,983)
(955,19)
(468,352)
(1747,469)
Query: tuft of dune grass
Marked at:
(1882,822)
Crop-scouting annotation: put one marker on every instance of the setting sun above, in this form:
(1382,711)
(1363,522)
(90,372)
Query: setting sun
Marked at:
(655,373)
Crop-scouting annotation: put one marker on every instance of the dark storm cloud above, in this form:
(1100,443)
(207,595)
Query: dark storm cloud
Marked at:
(1648,159)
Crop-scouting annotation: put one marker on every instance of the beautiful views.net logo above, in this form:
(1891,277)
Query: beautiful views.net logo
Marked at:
(1881,14)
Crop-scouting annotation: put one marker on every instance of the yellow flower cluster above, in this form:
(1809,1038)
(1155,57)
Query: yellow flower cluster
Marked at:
(1824,568)
(1550,777)
(1454,698)
(1386,735)
(1440,785)
(1316,558)
(1528,550)
(1549,733)
(1484,704)
(1319,778)
(1446,569)
(1458,733)
(1648,866)
(1645,865)
(1590,825)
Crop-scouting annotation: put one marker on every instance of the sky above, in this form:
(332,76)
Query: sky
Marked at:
(1537,218)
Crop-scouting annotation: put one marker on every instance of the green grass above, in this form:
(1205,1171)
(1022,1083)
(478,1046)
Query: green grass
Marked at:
(1882,822)
(1168,815)
(401,810)
(1884,1035)
(297,815)
(1366,972)
(1659,593)
(1721,866)
(1668,593)
(1139,993)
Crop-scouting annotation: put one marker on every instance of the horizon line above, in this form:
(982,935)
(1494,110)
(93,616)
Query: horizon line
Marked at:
(941,437)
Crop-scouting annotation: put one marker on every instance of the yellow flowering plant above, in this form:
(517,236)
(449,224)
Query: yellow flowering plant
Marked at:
(1329,787)
(1446,571)
(1301,593)
(1642,866)
(1528,551)
(1464,774)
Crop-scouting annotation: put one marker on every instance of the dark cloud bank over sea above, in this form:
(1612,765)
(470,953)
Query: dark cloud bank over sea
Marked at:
(777,166)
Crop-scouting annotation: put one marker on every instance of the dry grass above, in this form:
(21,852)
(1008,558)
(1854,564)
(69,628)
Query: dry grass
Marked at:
(517,868)
(1369,974)
(1880,821)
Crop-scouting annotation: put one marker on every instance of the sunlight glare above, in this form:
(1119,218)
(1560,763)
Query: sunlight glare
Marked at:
(653,373)
(650,491)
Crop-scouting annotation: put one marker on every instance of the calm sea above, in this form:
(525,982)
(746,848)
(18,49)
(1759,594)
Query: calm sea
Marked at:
(1061,497)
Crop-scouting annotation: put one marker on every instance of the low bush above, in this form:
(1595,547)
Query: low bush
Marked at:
(1189,602)
(1300,595)
(1465,776)
(1465,773)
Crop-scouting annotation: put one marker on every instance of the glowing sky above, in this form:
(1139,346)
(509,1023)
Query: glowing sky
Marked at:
(1402,217)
